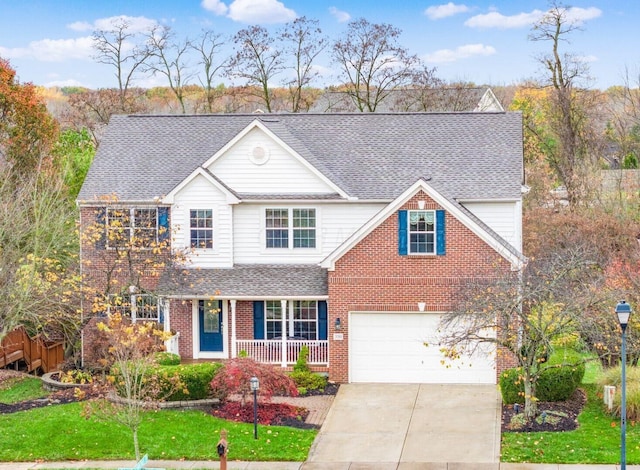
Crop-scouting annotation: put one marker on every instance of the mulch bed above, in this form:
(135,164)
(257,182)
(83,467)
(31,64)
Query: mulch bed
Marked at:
(552,416)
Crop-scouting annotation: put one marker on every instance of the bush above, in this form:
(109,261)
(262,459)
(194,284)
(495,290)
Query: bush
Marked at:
(164,358)
(195,380)
(234,378)
(306,381)
(301,364)
(559,379)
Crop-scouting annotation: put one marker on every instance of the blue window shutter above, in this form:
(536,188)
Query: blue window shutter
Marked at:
(258,319)
(101,220)
(322,320)
(163,224)
(440,233)
(403,242)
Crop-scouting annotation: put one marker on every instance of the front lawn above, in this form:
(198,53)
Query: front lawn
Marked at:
(60,432)
(596,441)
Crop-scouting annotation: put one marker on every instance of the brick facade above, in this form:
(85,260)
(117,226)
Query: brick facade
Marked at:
(373,277)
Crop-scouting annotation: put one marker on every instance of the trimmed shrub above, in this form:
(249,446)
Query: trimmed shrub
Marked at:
(301,364)
(559,379)
(306,381)
(195,379)
(164,358)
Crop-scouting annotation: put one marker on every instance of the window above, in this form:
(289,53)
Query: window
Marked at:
(201,223)
(422,232)
(283,225)
(138,227)
(143,307)
(305,319)
(273,319)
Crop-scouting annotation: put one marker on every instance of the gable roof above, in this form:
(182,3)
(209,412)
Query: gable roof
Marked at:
(370,156)
(485,233)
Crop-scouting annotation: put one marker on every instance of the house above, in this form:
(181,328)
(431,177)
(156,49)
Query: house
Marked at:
(345,233)
(441,99)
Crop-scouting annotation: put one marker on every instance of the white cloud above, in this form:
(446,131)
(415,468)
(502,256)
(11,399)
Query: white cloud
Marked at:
(63,83)
(341,16)
(52,50)
(461,52)
(80,26)
(498,20)
(442,11)
(260,11)
(494,19)
(579,15)
(215,6)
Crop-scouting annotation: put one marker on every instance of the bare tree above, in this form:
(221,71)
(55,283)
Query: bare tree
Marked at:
(258,60)
(569,153)
(522,313)
(208,46)
(124,50)
(305,44)
(168,58)
(372,62)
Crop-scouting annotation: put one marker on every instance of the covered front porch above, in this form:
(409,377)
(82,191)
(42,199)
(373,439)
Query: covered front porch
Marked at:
(271,320)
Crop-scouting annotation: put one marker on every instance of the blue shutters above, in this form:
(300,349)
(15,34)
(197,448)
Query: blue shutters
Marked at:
(322,319)
(403,239)
(101,220)
(440,233)
(258,319)
(164,231)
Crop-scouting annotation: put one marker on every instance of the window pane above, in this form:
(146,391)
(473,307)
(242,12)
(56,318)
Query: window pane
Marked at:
(118,227)
(201,222)
(304,238)
(273,318)
(304,233)
(277,228)
(305,319)
(421,232)
(145,227)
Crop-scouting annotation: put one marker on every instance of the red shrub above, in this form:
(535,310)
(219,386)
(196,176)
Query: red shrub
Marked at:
(268,413)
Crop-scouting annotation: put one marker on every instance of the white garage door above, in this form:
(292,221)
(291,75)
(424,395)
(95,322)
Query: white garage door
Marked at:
(389,347)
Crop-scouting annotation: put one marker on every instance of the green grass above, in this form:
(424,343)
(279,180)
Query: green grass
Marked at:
(20,389)
(61,433)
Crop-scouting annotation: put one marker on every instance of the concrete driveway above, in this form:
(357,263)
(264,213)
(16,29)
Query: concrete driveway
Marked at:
(406,425)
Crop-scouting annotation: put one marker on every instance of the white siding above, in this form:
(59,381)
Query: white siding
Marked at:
(335,223)
(282,172)
(201,194)
(503,217)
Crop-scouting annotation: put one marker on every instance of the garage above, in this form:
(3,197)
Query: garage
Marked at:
(389,348)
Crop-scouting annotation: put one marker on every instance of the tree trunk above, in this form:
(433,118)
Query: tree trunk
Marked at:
(136,444)
(530,401)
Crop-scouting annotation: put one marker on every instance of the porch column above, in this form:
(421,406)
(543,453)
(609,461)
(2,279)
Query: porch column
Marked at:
(234,346)
(283,306)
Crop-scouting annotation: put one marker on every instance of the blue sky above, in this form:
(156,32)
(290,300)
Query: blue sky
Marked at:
(48,42)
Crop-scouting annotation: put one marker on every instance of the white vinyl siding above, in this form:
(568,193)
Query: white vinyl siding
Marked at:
(283,173)
(201,194)
(502,217)
(334,224)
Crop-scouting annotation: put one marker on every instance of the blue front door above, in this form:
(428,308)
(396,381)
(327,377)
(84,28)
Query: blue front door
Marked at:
(210,319)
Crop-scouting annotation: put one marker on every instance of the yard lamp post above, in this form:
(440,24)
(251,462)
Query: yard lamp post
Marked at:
(255,386)
(623,311)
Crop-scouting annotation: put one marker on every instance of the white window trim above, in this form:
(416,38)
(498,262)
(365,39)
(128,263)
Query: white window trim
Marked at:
(290,230)
(290,320)
(132,227)
(213,229)
(434,232)
(132,310)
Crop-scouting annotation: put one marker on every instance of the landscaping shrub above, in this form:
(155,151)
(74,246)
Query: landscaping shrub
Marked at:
(164,358)
(559,379)
(301,364)
(195,380)
(306,381)
(234,378)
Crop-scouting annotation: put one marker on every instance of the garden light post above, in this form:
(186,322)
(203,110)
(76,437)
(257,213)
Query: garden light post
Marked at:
(255,386)
(623,311)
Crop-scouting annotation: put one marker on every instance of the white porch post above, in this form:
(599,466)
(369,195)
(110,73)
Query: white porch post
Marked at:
(234,346)
(283,306)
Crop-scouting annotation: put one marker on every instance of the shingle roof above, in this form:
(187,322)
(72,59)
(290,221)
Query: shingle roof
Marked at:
(248,280)
(368,155)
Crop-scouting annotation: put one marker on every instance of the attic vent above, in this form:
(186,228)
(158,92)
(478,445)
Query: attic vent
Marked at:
(259,155)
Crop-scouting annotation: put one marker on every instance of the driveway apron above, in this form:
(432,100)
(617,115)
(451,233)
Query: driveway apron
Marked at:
(410,423)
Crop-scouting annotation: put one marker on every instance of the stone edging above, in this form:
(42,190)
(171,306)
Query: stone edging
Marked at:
(112,397)
(53,385)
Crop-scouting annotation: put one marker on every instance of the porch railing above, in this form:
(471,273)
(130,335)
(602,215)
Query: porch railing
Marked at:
(270,351)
